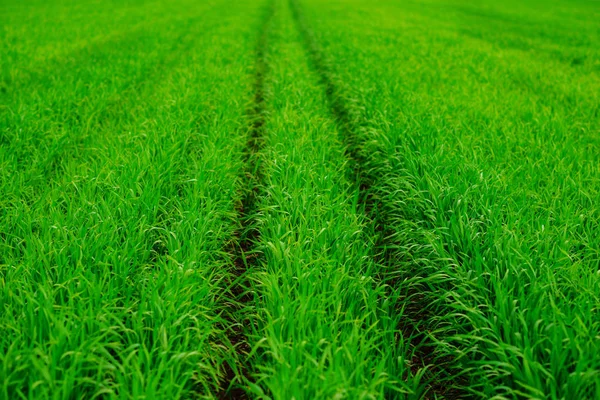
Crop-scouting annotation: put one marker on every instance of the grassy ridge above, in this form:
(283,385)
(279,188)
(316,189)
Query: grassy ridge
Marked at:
(122,178)
(323,325)
(489,153)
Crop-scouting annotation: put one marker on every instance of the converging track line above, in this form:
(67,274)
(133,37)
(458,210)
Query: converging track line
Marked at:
(416,315)
(243,250)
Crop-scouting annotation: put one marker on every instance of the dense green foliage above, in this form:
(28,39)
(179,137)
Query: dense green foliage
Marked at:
(120,166)
(482,125)
(299,199)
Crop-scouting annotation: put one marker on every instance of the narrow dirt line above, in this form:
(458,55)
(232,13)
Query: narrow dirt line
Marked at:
(373,191)
(243,250)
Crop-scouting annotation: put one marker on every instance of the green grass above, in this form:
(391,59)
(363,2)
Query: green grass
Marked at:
(305,199)
(120,176)
(478,131)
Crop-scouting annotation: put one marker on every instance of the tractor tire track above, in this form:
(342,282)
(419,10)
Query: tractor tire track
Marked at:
(243,248)
(374,193)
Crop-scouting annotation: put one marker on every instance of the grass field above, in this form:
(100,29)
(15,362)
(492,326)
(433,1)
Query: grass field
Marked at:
(300,199)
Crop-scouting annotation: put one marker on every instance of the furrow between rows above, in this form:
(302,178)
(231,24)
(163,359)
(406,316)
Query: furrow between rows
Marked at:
(243,251)
(382,193)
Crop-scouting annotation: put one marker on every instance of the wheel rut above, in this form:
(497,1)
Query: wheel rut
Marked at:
(417,314)
(243,248)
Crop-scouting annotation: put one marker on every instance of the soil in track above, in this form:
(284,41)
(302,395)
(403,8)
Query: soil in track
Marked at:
(416,316)
(243,247)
